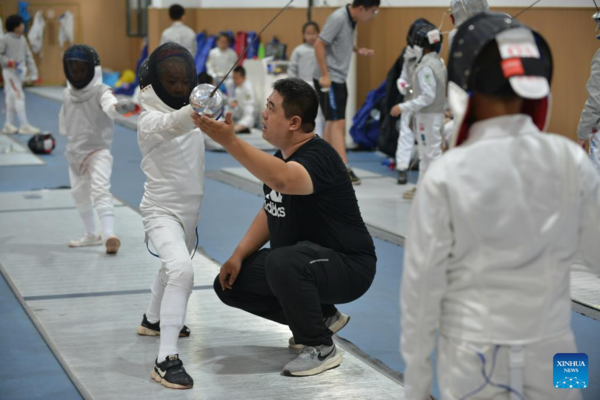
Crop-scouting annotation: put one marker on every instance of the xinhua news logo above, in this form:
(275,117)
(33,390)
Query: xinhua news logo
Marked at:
(571,371)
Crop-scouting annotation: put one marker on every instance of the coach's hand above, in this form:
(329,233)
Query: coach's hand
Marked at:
(229,272)
(221,132)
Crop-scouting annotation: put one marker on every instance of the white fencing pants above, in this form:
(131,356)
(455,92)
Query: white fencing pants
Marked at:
(460,376)
(406,142)
(173,283)
(429,136)
(14,96)
(90,185)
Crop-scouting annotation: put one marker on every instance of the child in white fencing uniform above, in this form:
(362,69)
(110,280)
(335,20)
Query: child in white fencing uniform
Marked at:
(429,97)
(221,58)
(173,162)
(86,118)
(18,66)
(406,138)
(242,101)
(495,226)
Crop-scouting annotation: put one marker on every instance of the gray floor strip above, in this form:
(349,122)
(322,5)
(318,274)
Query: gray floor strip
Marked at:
(80,387)
(14,153)
(100,294)
(41,200)
(49,209)
(373,362)
(232,355)
(586,310)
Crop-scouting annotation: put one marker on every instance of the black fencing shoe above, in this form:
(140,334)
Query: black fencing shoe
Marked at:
(148,329)
(170,373)
(402,178)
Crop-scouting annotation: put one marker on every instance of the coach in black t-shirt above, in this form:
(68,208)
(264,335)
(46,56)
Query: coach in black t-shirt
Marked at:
(321,252)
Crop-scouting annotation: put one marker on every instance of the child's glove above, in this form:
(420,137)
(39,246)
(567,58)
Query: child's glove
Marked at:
(12,64)
(403,86)
(125,106)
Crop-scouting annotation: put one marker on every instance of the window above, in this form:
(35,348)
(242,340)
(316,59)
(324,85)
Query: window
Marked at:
(137,17)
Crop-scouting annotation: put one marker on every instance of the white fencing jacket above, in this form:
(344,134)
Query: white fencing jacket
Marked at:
(66,32)
(220,62)
(493,231)
(87,119)
(173,161)
(246,111)
(36,33)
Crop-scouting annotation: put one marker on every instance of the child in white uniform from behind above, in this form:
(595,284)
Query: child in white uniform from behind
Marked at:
(303,62)
(86,118)
(173,162)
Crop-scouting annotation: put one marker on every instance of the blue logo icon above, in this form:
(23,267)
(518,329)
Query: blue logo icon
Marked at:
(571,371)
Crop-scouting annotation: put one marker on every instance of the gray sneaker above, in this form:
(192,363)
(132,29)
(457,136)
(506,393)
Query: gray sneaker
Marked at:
(335,324)
(313,361)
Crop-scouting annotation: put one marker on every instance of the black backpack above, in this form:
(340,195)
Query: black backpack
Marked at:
(389,128)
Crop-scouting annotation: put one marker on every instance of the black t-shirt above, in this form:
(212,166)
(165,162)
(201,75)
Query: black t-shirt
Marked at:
(329,217)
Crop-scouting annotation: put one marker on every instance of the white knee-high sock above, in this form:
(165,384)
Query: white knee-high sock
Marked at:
(172,316)
(158,291)
(89,220)
(20,109)
(10,115)
(108,224)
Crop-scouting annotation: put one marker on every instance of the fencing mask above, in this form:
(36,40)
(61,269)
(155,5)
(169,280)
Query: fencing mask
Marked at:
(79,63)
(42,143)
(496,55)
(171,71)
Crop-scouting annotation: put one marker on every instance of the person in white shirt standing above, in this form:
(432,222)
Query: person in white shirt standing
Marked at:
(495,227)
(18,66)
(220,59)
(178,32)
(86,118)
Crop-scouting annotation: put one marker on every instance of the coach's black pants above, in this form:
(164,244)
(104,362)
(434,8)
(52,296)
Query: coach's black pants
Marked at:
(298,286)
